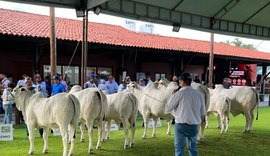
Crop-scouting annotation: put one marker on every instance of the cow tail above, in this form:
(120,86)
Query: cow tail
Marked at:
(103,104)
(257,102)
(76,106)
(228,101)
(134,107)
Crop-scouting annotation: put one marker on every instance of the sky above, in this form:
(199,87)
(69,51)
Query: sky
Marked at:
(261,45)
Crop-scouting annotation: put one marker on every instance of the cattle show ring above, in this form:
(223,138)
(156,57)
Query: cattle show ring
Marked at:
(90,116)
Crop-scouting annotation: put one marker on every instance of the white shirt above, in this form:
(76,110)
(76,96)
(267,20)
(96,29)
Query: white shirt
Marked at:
(187,105)
(5,95)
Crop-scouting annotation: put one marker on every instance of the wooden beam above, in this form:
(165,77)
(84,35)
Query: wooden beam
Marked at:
(53,53)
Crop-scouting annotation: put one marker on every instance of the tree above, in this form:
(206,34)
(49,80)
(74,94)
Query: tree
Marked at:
(238,43)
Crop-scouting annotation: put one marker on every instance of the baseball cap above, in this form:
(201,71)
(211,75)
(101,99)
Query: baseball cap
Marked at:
(185,77)
(55,77)
(92,75)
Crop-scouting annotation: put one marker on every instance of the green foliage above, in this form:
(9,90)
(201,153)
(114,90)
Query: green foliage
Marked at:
(232,143)
(238,43)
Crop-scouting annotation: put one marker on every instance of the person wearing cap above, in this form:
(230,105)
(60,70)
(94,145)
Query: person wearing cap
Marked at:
(22,81)
(91,82)
(187,106)
(57,87)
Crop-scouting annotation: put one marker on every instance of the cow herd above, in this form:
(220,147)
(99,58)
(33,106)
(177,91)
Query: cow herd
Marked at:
(66,110)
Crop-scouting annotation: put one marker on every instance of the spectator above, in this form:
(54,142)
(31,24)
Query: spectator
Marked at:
(40,86)
(91,82)
(123,85)
(174,79)
(103,87)
(111,85)
(148,80)
(4,80)
(48,85)
(63,81)
(57,87)
(7,104)
(142,82)
(188,107)
(22,81)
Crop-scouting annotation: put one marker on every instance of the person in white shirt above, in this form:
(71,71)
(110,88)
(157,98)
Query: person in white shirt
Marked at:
(187,106)
(7,104)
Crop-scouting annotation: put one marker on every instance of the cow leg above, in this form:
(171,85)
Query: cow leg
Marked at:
(45,138)
(201,135)
(249,119)
(125,126)
(154,126)
(169,123)
(82,127)
(72,136)
(206,120)
(226,123)
(90,135)
(221,121)
(64,133)
(31,130)
(218,119)
(145,120)
(132,122)
(108,129)
(100,129)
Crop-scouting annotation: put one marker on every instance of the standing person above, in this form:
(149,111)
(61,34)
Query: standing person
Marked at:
(174,79)
(63,81)
(111,85)
(22,81)
(142,82)
(4,80)
(103,87)
(197,80)
(7,104)
(57,87)
(122,86)
(148,79)
(91,81)
(40,86)
(48,85)
(188,107)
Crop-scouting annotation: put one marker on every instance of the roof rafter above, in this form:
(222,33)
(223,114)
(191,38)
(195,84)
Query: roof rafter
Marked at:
(256,12)
(177,5)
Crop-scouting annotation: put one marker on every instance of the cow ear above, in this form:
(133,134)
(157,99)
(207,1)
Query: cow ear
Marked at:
(23,89)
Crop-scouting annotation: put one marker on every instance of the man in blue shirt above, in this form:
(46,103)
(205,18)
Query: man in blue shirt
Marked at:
(57,87)
(111,85)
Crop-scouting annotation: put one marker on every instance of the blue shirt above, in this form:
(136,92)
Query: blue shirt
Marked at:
(58,88)
(121,88)
(41,88)
(112,87)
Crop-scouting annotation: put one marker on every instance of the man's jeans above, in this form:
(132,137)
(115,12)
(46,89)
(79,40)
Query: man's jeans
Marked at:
(181,132)
(8,113)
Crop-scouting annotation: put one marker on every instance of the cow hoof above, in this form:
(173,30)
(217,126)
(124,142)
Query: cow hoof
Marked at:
(82,140)
(71,154)
(31,153)
(218,126)
(132,144)
(144,137)
(98,147)
(126,146)
(45,151)
(245,131)
(103,140)
(91,151)
(108,138)
(153,135)
(169,133)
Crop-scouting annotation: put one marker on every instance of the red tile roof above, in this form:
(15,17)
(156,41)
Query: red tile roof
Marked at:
(32,25)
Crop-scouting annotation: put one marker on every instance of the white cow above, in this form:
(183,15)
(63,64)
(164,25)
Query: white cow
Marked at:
(220,106)
(58,111)
(243,101)
(93,107)
(152,101)
(122,108)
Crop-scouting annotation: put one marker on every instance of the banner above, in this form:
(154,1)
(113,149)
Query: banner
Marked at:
(151,123)
(244,75)
(6,132)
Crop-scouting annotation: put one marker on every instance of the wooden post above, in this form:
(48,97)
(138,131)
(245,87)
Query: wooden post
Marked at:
(52,42)
(211,61)
(84,48)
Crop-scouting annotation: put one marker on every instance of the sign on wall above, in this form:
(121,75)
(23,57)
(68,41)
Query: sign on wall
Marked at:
(244,75)
(151,123)
(6,132)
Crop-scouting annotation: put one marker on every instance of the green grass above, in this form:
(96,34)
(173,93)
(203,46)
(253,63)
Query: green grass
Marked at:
(232,143)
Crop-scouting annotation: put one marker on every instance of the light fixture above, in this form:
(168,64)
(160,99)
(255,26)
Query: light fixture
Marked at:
(176,27)
(79,13)
(97,10)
